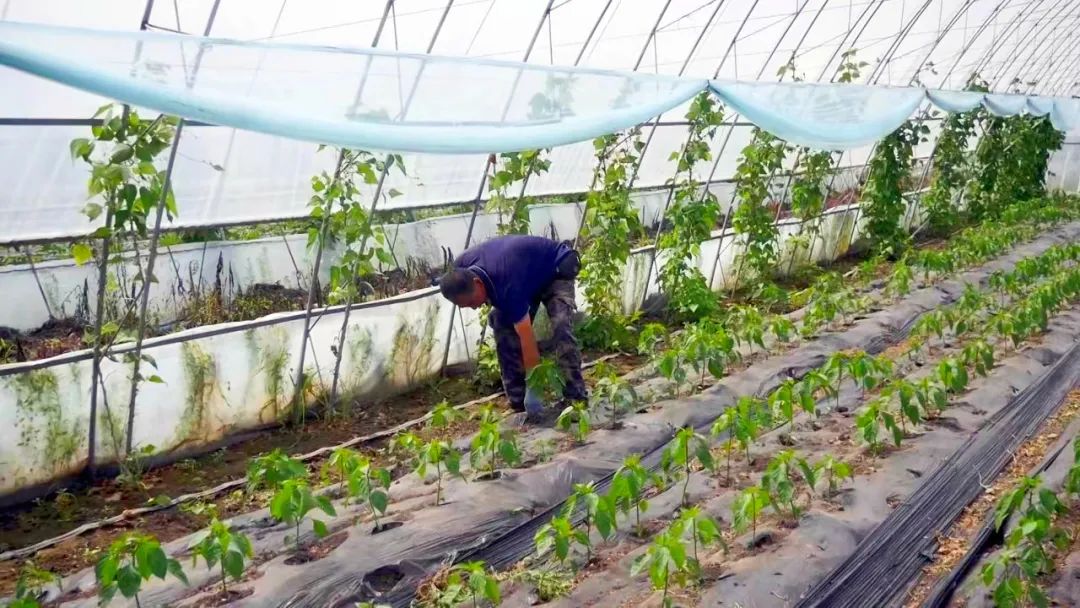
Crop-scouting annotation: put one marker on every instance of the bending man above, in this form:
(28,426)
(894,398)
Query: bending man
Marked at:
(515,274)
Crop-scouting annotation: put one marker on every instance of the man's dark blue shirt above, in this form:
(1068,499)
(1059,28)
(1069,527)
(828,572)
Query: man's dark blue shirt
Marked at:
(515,269)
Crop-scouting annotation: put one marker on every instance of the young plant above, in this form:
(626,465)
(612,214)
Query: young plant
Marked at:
(628,488)
(666,562)
(687,446)
(792,394)
(600,511)
(670,364)
(574,419)
(872,418)
(292,503)
(559,535)
(546,380)
(708,348)
(491,443)
(443,415)
(692,522)
(834,368)
(30,584)
(273,470)
(224,548)
(370,484)
(979,355)
(131,560)
(836,471)
(618,394)
(550,583)
(477,581)
(747,509)
(953,375)
(435,453)
(780,485)
(931,396)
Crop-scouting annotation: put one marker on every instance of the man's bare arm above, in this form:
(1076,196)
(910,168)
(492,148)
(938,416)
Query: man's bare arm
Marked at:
(530,352)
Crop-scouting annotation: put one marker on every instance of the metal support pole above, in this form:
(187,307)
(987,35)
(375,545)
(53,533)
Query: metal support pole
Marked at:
(682,70)
(1037,31)
(147,280)
(148,272)
(37,280)
(468,239)
(99,314)
(298,385)
(544,16)
(727,136)
(1057,59)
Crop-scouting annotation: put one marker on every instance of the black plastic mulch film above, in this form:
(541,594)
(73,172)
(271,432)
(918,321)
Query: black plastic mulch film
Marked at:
(504,550)
(889,559)
(942,592)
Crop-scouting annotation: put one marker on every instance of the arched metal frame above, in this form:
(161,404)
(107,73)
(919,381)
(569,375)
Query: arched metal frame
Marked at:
(1051,63)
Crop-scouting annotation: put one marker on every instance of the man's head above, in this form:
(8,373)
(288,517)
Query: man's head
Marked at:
(463,287)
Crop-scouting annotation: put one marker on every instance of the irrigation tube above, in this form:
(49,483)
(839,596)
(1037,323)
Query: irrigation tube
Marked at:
(886,562)
(943,591)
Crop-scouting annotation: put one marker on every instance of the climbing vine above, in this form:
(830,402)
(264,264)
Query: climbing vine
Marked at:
(754,222)
(1010,162)
(951,166)
(884,204)
(337,198)
(693,216)
(514,168)
(610,225)
(808,190)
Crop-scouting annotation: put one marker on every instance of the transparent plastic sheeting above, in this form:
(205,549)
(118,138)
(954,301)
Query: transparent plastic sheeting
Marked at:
(374,99)
(346,96)
(822,116)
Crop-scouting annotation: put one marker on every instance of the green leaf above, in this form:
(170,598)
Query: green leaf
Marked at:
(233,563)
(177,571)
(129,581)
(379,502)
(320,527)
(325,505)
(158,562)
(105,571)
(82,253)
(155,379)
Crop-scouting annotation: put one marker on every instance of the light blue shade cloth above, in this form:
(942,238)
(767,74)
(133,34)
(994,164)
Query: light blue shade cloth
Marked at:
(383,100)
(1039,106)
(350,97)
(1000,104)
(822,116)
(954,101)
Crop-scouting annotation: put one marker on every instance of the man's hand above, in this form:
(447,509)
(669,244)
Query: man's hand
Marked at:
(530,352)
(533,403)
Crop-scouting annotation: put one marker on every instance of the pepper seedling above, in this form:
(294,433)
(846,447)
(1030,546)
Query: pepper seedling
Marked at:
(131,560)
(220,546)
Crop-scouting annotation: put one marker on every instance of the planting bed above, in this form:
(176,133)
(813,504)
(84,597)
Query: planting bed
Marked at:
(495,520)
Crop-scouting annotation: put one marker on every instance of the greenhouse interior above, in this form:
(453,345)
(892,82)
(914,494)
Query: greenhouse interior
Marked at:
(802,281)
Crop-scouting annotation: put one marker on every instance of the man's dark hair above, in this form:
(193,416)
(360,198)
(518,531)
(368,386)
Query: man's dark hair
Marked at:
(456,283)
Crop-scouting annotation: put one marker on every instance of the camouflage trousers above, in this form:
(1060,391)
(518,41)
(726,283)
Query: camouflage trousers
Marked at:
(558,300)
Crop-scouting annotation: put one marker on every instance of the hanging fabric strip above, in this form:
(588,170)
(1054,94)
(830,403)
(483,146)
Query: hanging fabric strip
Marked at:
(822,116)
(384,100)
(351,97)
(954,101)
(1000,104)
